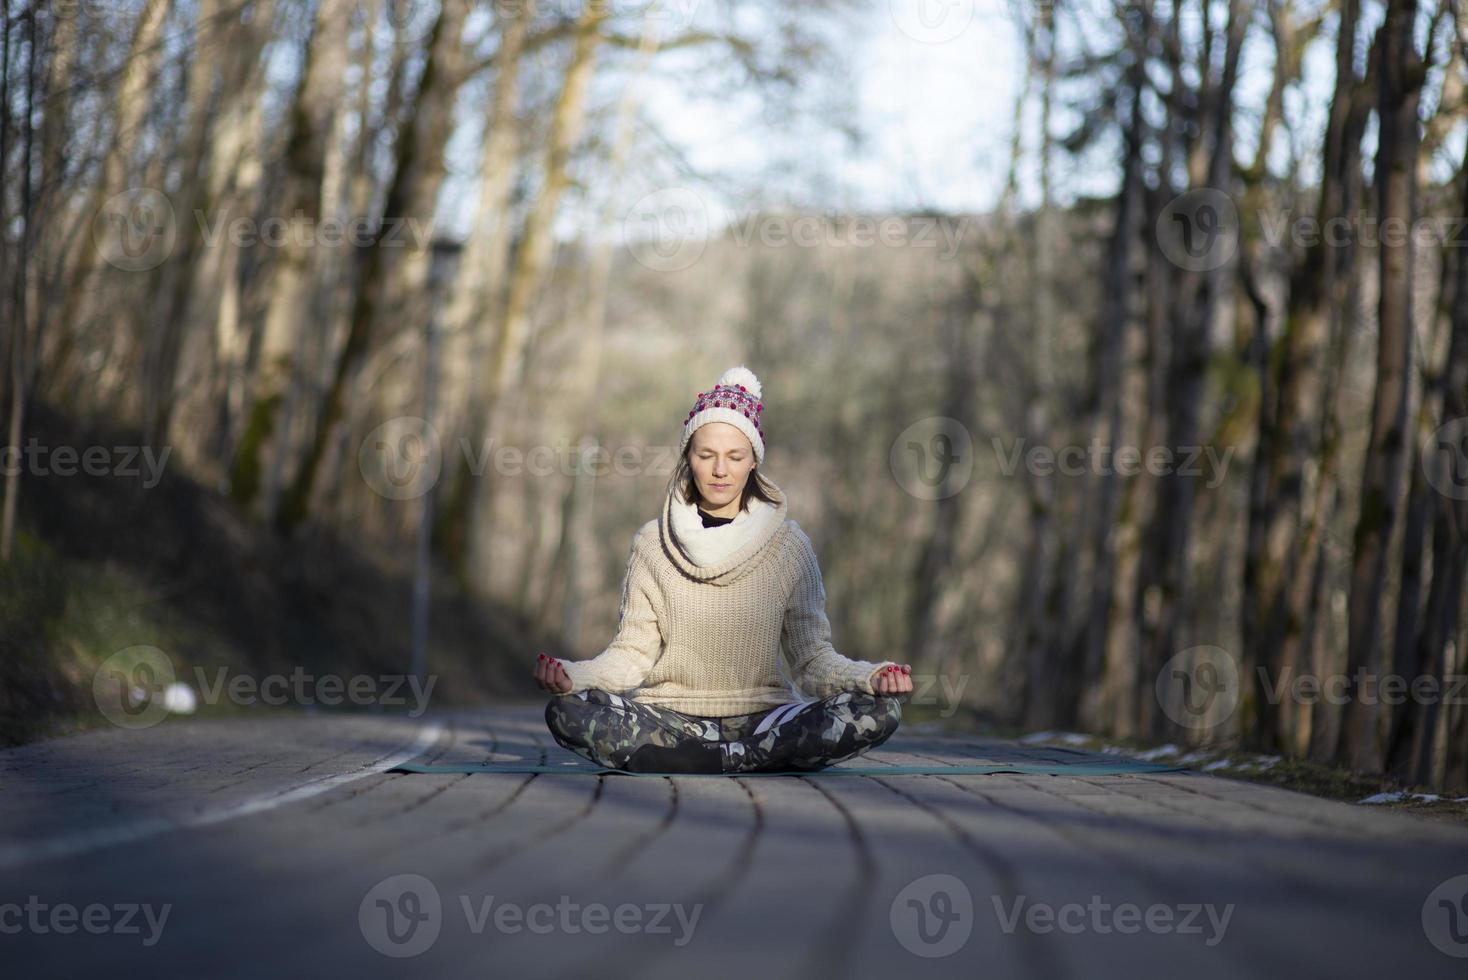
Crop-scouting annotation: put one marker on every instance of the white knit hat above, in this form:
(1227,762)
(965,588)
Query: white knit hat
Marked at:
(735,399)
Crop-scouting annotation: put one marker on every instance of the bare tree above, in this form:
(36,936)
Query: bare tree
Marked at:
(1399,90)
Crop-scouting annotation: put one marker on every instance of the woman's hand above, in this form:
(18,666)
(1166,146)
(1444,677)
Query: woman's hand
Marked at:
(893,679)
(551,676)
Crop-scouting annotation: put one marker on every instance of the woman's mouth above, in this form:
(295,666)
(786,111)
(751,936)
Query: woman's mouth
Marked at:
(720,486)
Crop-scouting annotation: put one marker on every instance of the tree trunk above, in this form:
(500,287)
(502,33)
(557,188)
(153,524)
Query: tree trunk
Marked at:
(288,280)
(476,304)
(392,288)
(1400,85)
(1411,741)
(533,256)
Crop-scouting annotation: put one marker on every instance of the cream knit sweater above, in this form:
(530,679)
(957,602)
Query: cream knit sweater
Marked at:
(722,620)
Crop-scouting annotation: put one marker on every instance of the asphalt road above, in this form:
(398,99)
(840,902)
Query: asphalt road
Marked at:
(279,846)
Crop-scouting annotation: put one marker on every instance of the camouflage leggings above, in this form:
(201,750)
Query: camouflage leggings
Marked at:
(621,733)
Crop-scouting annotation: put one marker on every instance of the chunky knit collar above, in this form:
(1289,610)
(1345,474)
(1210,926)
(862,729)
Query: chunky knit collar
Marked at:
(719,555)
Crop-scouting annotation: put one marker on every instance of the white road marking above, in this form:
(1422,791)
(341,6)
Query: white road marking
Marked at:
(17,855)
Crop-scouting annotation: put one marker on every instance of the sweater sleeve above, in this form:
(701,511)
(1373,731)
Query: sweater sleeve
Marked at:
(805,637)
(625,663)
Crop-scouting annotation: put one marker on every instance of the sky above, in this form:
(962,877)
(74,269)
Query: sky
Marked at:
(932,85)
(935,107)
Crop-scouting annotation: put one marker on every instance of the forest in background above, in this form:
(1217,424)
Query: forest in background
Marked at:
(221,229)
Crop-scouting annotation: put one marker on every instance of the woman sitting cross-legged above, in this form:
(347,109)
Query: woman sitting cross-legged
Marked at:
(722,594)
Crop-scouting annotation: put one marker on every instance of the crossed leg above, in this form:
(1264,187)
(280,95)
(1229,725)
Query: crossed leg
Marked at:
(621,733)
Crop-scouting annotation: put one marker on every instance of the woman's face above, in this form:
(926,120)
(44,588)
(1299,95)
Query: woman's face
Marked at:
(722,459)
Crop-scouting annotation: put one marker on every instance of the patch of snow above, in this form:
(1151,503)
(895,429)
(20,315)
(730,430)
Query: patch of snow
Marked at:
(1394,797)
(1397,796)
(1160,752)
(1067,738)
(1217,764)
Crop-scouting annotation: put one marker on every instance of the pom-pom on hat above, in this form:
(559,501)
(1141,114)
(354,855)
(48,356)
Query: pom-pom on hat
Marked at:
(735,399)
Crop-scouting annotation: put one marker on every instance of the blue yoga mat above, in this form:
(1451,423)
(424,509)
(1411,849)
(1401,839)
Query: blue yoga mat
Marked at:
(1118,768)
